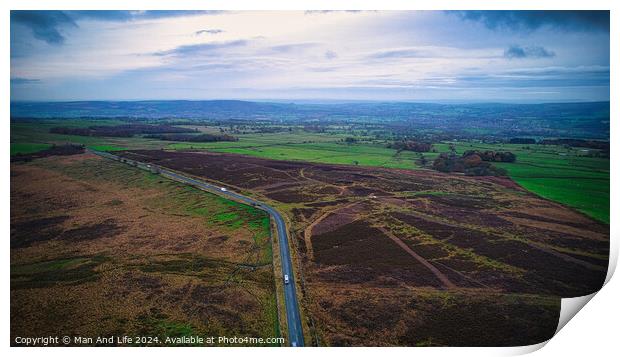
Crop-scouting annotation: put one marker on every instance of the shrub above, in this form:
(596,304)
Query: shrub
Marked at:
(201,138)
(493,156)
(410,145)
(471,164)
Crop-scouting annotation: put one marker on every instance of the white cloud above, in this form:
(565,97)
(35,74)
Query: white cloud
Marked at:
(289,51)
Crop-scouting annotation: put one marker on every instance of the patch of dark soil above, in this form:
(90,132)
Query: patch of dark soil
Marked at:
(236,170)
(178,294)
(325,190)
(218,239)
(591,226)
(361,190)
(460,264)
(225,306)
(429,251)
(333,221)
(388,317)
(326,203)
(61,271)
(468,216)
(291,196)
(357,190)
(572,242)
(458,278)
(437,230)
(27,233)
(279,186)
(370,315)
(461,201)
(466,321)
(303,213)
(151,286)
(546,271)
(204,294)
(107,228)
(597,243)
(593,260)
(182,264)
(345,273)
(149,283)
(357,244)
(480,276)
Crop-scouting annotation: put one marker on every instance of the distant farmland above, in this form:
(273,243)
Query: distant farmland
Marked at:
(554,172)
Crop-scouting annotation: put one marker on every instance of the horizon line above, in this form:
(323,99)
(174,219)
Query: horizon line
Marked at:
(317,101)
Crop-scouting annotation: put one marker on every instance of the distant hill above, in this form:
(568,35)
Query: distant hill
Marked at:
(587,120)
(143,109)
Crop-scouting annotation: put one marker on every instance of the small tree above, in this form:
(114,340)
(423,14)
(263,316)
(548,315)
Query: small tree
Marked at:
(423,160)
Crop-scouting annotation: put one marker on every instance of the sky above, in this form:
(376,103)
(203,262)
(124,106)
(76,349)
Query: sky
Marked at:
(429,56)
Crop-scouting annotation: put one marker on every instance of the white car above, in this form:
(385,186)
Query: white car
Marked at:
(286,281)
(223,189)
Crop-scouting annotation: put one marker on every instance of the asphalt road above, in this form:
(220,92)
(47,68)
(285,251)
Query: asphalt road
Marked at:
(293,318)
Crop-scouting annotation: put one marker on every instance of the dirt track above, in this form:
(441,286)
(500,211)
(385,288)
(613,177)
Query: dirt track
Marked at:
(441,276)
(402,232)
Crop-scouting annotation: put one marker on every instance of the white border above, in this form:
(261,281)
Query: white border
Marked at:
(594,330)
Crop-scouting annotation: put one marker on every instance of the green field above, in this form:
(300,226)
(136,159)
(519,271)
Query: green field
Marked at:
(557,173)
(25,135)
(297,144)
(564,175)
(325,152)
(27,148)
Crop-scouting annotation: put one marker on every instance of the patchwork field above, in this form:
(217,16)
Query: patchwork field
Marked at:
(99,248)
(565,175)
(299,145)
(400,257)
(32,136)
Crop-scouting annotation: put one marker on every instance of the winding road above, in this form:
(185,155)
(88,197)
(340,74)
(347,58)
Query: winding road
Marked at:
(293,317)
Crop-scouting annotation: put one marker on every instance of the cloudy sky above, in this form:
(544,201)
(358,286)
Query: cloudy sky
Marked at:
(499,56)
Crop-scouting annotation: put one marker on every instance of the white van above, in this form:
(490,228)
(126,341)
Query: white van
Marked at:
(286,279)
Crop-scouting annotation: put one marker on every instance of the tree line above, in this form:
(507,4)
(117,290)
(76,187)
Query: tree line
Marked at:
(200,138)
(493,156)
(411,145)
(470,163)
(128,130)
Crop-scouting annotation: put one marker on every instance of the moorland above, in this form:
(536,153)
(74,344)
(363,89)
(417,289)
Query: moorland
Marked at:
(411,224)
(99,248)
